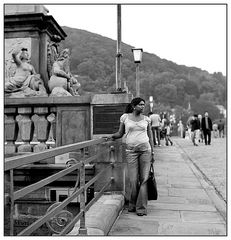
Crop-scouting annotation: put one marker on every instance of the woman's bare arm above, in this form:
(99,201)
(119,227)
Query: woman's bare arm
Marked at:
(120,132)
(149,132)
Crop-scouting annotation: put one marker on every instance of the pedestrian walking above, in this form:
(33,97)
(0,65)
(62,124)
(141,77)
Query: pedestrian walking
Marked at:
(155,124)
(180,129)
(201,135)
(215,130)
(195,128)
(221,127)
(187,133)
(189,126)
(163,125)
(167,136)
(139,153)
(206,124)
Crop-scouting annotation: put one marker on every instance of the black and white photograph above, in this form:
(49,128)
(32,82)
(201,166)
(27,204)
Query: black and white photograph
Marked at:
(115,119)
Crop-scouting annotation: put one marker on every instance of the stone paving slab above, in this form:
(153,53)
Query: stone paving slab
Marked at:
(194,229)
(177,183)
(186,180)
(186,185)
(163,191)
(158,214)
(170,199)
(135,226)
(201,217)
(180,207)
(147,227)
(180,174)
(200,193)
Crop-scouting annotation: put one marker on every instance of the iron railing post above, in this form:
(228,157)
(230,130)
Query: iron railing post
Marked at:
(82,228)
(11,202)
(16,162)
(112,161)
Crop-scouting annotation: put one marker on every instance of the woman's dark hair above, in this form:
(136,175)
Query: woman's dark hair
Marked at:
(136,101)
(129,108)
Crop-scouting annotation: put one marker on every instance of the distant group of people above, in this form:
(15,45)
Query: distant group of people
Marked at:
(200,129)
(161,128)
(218,129)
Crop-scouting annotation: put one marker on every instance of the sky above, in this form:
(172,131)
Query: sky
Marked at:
(191,35)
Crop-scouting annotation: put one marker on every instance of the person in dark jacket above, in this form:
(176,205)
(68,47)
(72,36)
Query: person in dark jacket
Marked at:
(221,127)
(207,126)
(195,127)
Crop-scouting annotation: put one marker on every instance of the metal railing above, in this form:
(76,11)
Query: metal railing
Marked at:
(16,162)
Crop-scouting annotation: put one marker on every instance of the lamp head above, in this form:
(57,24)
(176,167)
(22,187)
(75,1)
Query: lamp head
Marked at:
(137,54)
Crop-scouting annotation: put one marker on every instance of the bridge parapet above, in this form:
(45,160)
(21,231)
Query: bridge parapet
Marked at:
(37,124)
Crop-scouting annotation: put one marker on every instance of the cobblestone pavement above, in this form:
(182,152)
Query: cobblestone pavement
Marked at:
(210,159)
(187,203)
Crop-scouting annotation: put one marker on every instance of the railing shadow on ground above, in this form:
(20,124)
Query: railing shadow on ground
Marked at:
(79,190)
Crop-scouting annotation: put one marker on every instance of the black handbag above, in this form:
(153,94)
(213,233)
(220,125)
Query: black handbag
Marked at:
(152,187)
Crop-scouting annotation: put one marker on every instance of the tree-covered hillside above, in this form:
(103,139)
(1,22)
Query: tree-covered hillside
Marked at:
(93,58)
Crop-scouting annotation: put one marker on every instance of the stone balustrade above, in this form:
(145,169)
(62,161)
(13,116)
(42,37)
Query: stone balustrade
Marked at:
(29,129)
(31,124)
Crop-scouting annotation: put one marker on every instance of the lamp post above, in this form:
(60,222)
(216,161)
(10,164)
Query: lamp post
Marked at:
(137,53)
(118,55)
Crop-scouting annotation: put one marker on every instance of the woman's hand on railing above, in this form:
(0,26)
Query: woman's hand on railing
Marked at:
(70,162)
(109,138)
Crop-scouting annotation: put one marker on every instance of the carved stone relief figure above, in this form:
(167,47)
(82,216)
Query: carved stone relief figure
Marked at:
(10,46)
(62,82)
(52,53)
(25,82)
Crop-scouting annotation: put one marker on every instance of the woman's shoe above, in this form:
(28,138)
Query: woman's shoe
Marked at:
(131,209)
(140,214)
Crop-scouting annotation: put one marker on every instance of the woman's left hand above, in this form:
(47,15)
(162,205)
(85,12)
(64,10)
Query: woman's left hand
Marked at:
(108,138)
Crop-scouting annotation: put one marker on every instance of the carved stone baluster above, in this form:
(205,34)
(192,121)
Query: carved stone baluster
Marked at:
(19,137)
(25,125)
(52,134)
(34,119)
(41,127)
(11,130)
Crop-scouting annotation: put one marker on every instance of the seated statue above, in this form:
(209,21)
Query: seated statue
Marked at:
(25,82)
(62,82)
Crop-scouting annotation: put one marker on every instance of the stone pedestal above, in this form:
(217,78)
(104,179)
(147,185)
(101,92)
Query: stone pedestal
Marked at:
(106,110)
(31,27)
